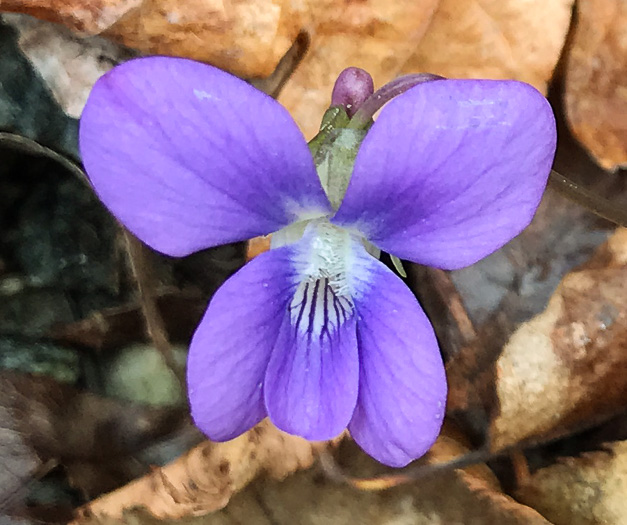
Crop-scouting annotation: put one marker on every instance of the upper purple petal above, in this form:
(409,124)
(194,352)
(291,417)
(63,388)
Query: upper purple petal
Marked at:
(451,170)
(231,348)
(402,384)
(312,378)
(188,156)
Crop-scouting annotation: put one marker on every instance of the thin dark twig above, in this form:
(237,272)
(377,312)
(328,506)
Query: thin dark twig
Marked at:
(444,305)
(34,148)
(409,475)
(273,84)
(595,203)
(446,289)
(482,455)
(142,272)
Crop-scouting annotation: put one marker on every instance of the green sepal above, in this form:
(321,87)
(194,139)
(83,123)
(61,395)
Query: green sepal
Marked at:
(334,150)
(398,266)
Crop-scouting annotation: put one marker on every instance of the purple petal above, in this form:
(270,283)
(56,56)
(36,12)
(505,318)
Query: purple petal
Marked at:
(231,348)
(188,156)
(402,385)
(312,378)
(451,170)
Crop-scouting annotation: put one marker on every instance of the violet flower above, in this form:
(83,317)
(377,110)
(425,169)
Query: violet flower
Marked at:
(316,333)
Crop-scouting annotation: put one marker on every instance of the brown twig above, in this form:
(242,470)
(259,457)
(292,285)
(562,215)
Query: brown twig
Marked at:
(444,306)
(482,455)
(521,467)
(142,272)
(616,213)
(273,84)
(408,475)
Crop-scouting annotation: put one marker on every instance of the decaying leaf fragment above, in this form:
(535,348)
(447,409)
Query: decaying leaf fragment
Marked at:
(68,64)
(43,421)
(586,490)
(88,17)
(568,365)
(245,37)
(468,496)
(596,80)
(461,497)
(204,479)
(502,39)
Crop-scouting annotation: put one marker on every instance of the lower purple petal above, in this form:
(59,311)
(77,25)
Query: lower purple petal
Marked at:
(312,378)
(231,348)
(402,384)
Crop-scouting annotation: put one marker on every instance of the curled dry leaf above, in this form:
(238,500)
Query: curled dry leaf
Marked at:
(586,490)
(596,80)
(494,39)
(461,497)
(468,496)
(205,478)
(376,35)
(472,495)
(568,365)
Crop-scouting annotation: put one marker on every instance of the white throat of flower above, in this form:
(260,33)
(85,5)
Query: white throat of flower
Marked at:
(323,298)
(329,256)
(326,255)
(325,259)
(325,264)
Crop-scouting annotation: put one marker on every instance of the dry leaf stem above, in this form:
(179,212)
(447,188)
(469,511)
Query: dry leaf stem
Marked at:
(143,274)
(595,203)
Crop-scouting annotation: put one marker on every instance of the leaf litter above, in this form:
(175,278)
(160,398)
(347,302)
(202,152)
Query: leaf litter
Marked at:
(534,336)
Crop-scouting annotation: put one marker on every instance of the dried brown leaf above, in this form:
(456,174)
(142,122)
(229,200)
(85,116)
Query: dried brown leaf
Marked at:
(246,37)
(204,479)
(494,39)
(588,490)
(44,421)
(596,80)
(18,460)
(89,17)
(460,497)
(376,35)
(568,365)
(257,246)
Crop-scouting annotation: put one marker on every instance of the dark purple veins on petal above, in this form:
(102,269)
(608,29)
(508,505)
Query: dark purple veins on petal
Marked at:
(312,379)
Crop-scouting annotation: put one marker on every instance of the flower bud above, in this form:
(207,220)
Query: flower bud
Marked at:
(352,87)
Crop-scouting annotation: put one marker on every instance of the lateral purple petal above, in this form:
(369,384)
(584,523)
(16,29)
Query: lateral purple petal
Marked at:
(402,385)
(312,378)
(451,170)
(188,156)
(231,348)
